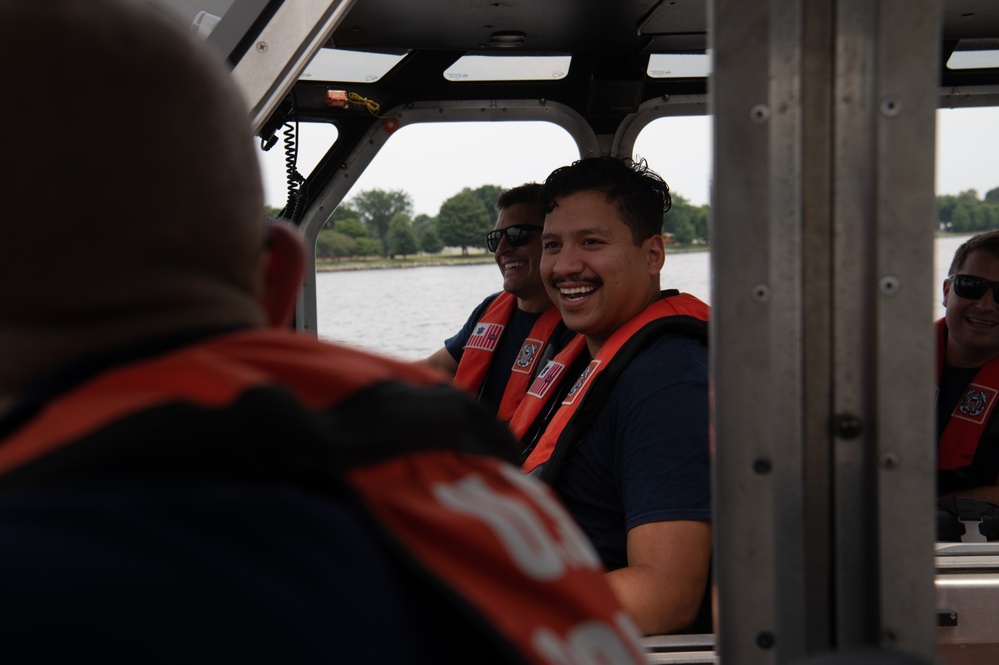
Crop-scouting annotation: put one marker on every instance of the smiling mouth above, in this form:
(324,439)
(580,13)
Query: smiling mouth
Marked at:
(980,322)
(513,264)
(576,292)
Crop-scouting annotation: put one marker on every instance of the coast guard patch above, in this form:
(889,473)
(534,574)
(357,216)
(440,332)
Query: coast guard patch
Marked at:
(580,384)
(546,379)
(976,404)
(485,336)
(528,356)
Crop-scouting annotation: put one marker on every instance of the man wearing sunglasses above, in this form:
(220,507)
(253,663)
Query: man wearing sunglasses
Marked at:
(497,352)
(968,373)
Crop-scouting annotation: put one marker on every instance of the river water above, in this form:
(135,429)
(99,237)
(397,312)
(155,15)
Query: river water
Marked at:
(409,312)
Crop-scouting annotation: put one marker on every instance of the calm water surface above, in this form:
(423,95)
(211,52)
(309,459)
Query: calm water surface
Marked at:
(409,312)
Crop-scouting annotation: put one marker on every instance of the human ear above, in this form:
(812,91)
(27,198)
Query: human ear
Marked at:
(656,254)
(282,276)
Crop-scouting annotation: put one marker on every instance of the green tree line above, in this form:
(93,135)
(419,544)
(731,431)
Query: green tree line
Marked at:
(379,222)
(966,213)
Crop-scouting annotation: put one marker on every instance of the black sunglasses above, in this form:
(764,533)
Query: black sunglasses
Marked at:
(516,235)
(973,288)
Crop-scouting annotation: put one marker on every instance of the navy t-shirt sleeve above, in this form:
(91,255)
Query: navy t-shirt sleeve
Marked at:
(455,344)
(645,457)
(662,461)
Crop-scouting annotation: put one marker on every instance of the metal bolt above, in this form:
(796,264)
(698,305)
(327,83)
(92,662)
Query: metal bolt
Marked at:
(890,461)
(891,107)
(889,285)
(261,47)
(765,640)
(762,292)
(760,113)
(848,426)
(762,466)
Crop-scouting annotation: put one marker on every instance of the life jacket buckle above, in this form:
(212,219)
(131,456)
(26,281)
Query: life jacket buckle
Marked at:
(972,531)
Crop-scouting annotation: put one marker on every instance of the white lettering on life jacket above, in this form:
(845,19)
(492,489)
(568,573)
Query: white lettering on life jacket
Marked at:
(514,522)
(575,546)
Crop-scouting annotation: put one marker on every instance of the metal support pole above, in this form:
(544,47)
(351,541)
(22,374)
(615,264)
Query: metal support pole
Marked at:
(823,200)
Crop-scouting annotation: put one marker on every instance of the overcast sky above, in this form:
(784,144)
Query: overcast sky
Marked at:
(434,162)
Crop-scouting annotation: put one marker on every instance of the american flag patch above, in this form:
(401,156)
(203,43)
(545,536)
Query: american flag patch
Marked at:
(546,379)
(485,336)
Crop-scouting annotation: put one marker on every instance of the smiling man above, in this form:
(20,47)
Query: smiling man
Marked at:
(968,373)
(624,441)
(496,353)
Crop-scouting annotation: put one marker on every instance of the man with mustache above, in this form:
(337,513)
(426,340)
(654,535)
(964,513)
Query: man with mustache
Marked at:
(968,373)
(499,349)
(618,422)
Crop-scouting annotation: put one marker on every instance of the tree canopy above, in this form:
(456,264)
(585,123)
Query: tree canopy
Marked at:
(345,216)
(966,213)
(427,238)
(488,195)
(687,223)
(463,221)
(377,207)
(401,237)
(430,242)
(333,244)
(379,221)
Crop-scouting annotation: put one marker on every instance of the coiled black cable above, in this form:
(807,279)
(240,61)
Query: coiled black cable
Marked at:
(297,188)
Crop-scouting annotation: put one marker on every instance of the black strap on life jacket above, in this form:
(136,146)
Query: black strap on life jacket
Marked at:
(984,469)
(596,396)
(267,435)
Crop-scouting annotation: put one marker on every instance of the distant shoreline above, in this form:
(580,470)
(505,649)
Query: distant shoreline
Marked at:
(423,260)
(426,261)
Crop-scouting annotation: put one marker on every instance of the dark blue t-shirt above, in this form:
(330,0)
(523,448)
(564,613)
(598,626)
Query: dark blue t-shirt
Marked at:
(516,331)
(645,457)
(160,568)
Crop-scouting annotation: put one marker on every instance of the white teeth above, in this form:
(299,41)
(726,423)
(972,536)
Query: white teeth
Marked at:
(577,290)
(981,322)
(514,264)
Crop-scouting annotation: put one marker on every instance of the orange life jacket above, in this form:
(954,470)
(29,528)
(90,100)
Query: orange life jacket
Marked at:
(477,356)
(592,385)
(491,537)
(966,427)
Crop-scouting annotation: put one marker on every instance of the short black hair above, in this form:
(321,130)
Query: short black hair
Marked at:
(986,242)
(526,193)
(639,194)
